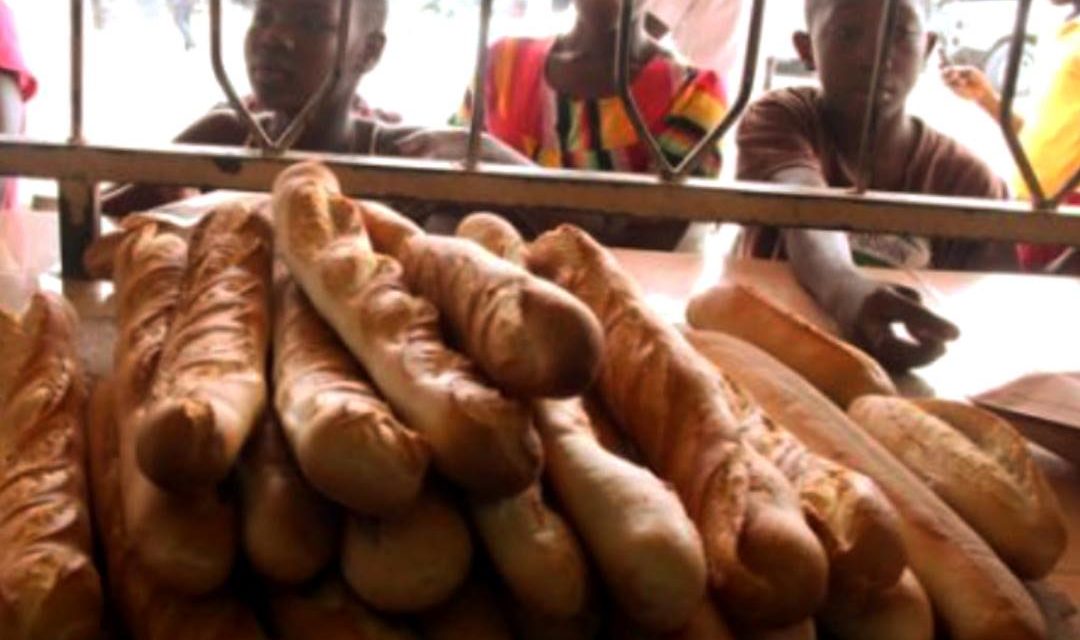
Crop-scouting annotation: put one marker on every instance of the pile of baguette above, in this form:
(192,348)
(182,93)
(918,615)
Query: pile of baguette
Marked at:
(323,422)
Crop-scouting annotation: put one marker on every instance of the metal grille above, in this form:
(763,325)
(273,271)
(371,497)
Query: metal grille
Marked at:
(668,194)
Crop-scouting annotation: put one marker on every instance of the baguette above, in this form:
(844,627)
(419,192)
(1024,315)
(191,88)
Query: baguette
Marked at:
(972,591)
(49,587)
(329,609)
(900,613)
(532,338)
(981,468)
(855,523)
(290,533)
(479,438)
(411,562)
(706,624)
(473,614)
(150,611)
(804,630)
(765,565)
(210,388)
(838,369)
(529,543)
(636,531)
(346,440)
(387,228)
(187,542)
(494,234)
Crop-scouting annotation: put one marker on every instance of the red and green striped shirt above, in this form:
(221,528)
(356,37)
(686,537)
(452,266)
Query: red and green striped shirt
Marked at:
(680,104)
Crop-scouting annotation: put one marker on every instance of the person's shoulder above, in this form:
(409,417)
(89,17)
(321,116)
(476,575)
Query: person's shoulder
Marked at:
(219,126)
(955,169)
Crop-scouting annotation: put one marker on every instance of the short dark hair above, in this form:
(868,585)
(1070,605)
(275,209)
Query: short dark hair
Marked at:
(813,5)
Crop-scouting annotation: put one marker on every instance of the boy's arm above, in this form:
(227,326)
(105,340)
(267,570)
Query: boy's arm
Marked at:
(219,127)
(865,310)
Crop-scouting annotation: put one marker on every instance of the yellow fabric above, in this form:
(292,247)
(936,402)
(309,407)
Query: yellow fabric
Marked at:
(1051,135)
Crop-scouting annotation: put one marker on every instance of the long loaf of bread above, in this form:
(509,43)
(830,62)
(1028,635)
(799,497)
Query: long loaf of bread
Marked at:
(472,614)
(187,542)
(980,466)
(840,370)
(494,234)
(479,438)
(289,532)
(529,543)
(346,440)
(49,587)
(765,564)
(902,612)
(638,534)
(972,591)
(210,389)
(150,611)
(529,336)
(330,610)
(410,562)
(855,523)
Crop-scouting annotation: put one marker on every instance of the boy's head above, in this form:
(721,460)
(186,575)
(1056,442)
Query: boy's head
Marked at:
(603,13)
(841,44)
(292,44)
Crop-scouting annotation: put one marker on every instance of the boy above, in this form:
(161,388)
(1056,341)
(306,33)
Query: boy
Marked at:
(810,137)
(290,49)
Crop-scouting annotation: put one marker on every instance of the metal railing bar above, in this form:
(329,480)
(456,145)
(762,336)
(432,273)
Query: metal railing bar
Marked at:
(296,127)
(624,47)
(1008,99)
(746,89)
(864,172)
(77,45)
(525,188)
(479,88)
(255,129)
(1070,186)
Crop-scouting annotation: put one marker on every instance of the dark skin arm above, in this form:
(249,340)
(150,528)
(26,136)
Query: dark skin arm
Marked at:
(215,128)
(865,310)
(11,114)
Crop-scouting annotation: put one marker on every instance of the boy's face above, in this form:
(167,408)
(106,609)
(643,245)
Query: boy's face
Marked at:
(291,46)
(842,44)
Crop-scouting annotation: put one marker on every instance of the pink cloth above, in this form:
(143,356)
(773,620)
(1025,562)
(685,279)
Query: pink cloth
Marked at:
(11,61)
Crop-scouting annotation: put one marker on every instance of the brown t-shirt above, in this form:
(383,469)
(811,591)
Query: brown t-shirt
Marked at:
(786,129)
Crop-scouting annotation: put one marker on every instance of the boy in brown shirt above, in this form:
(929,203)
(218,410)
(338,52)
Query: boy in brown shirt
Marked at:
(810,137)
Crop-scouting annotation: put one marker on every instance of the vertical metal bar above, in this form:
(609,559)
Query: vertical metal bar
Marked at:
(624,46)
(225,83)
(479,88)
(864,176)
(80,224)
(78,202)
(746,89)
(1008,98)
(77,35)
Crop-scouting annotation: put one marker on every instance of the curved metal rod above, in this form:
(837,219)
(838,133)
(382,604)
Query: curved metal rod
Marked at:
(746,89)
(1072,185)
(479,88)
(623,48)
(1008,97)
(295,127)
(864,172)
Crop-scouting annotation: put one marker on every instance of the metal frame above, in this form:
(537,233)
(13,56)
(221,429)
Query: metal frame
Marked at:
(670,194)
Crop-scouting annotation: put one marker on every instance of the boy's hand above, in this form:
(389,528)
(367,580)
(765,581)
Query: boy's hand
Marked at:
(868,317)
(453,144)
(969,83)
